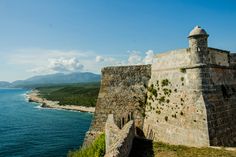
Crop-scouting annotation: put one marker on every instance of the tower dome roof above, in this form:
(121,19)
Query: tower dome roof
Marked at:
(197,31)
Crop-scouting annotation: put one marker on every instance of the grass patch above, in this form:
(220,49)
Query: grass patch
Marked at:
(83,94)
(96,149)
(148,148)
(164,150)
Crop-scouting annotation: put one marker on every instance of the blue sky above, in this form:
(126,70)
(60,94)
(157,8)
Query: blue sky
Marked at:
(47,36)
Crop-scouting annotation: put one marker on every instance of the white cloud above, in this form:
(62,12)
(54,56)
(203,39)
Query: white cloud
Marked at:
(59,65)
(45,61)
(40,56)
(38,70)
(135,58)
(99,59)
(149,57)
(65,65)
(109,61)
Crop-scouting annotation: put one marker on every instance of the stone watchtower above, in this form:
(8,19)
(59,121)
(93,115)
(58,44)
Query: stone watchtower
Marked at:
(198,45)
(191,96)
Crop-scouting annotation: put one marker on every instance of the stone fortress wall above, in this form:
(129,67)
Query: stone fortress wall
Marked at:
(123,94)
(186,96)
(186,103)
(191,98)
(219,91)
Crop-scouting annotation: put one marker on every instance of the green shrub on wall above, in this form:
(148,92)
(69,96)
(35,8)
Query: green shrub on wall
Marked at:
(165,82)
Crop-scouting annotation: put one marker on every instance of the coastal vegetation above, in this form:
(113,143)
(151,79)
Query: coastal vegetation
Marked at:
(96,149)
(82,94)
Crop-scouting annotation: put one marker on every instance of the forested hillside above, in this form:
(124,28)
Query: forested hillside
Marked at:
(83,94)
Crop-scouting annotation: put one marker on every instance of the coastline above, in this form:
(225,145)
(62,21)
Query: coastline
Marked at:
(33,96)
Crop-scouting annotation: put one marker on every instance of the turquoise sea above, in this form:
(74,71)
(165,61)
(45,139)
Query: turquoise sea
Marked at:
(26,130)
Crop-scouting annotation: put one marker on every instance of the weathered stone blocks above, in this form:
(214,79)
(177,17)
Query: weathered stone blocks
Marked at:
(123,91)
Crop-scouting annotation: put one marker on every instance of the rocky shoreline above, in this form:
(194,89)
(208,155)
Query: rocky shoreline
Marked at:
(33,96)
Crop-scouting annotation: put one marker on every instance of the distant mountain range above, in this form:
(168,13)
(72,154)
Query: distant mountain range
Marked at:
(4,84)
(58,78)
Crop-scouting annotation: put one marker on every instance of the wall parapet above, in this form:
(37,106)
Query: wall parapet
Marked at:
(118,141)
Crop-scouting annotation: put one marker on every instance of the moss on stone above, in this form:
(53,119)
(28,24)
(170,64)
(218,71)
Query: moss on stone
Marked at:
(154,92)
(150,88)
(158,112)
(174,116)
(167,91)
(162,99)
(182,70)
(143,114)
(165,82)
(166,118)
(150,97)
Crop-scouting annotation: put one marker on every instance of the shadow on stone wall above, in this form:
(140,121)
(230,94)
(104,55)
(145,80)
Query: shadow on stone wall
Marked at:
(142,148)
(139,132)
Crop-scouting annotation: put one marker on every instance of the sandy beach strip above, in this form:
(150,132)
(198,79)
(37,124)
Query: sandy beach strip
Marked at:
(33,96)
